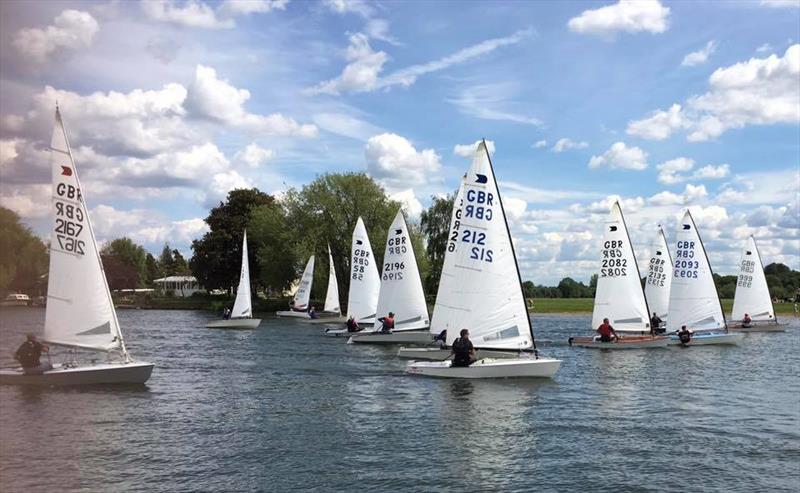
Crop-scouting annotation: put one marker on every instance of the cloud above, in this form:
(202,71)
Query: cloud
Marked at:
(539,144)
(247,7)
(393,160)
(712,172)
(195,13)
(493,102)
(72,30)
(781,3)
(346,125)
(409,202)
(669,170)
(620,156)
(699,56)
(666,198)
(468,150)
(163,49)
(760,91)
(359,7)
(541,195)
(254,155)
(764,48)
(566,144)
(379,29)
(629,16)
(694,193)
(144,226)
(29,201)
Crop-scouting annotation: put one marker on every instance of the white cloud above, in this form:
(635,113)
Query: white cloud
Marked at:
(468,150)
(566,144)
(192,13)
(539,144)
(764,48)
(346,125)
(144,226)
(379,29)
(700,56)
(8,150)
(604,206)
(694,193)
(71,30)
(359,7)
(620,156)
(493,102)
(246,7)
(659,125)
(393,160)
(712,172)
(408,200)
(666,198)
(254,155)
(29,201)
(781,3)
(669,170)
(224,182)
(540,195)
(626,15)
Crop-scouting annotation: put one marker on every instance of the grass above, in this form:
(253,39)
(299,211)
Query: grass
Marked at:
(585,305)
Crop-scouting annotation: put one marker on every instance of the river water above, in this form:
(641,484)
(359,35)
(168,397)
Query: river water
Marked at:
(282,408)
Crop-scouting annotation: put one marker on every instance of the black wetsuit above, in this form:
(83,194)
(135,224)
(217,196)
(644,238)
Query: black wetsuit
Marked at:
(462,349)
(29,353)
(352,325)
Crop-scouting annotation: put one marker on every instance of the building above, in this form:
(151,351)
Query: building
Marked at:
(181,286)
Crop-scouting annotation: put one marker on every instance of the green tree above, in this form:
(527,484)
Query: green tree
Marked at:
(24,256)
(152,270)
(274,245)
(165,261)
(127,253)
(180,266)
(217,255)
(435,225)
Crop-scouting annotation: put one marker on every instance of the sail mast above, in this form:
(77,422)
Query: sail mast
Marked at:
(513,252)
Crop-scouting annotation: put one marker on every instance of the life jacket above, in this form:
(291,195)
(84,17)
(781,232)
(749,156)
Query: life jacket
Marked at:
(352,325)
(28,354)
(604,330)
(684,337)
(388,323)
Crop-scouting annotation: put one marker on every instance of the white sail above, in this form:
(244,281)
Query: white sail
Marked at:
(693,298)
(448,280)
(303,294)
(80,311)
(243,306)
(365,282)
(484,291)
(401,287)
(659,277)
(619,295)
(752,294)
(332,296)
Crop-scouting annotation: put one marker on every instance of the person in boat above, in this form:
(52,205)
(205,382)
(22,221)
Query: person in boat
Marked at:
(747,321)
(352,325)
(655,325)
(463,350)
(606,332)
(387,322)
(226,313)
(29,354)
(312,312)
(684,335)
(441,339)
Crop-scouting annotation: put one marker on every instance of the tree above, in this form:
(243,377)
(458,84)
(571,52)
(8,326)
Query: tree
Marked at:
(273,242)
(152,270)
(165,261)
(217,255)
(435,225)
(180,266)
(127,253)
(326,210)
(119,273)
(24,256)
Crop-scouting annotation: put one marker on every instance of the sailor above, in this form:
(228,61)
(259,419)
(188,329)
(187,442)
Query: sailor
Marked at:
(655,325)
(747,321)
(28,356)
(226,313)
(606,332)
(291,306)
(684,335)
(387,322)
(352,325)
(312,312)
(463,350)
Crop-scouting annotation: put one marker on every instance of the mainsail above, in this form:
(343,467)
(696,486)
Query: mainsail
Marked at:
(80,311)
(448,280)
(365,282)
(693,298)
(332,296)
(484,291)
(659,276)
(401,287)
(243,306)
(752,294)
(303,294)
(619,296)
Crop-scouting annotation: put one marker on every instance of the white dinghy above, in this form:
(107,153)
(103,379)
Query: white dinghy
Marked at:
(80,313)
(365,283)
(483,289)
(302,296)
(752,294)
(242,313)
(401,293)
(693,298)
(659,278)
(619,295)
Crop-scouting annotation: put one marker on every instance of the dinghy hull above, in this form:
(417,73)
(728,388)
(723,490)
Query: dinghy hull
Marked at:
(756,327)
(104,373)
(625,342)
(438,354)
(405,337)
(714,338)
(235,323)
(338,333)
(488,368)
(290,314)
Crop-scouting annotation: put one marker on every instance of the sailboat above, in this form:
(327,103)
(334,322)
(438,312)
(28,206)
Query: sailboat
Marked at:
(752,294)
(242,313)
(365,282)
(331,310)
(693,298)
(619,296)
(483,288)
(80,312)
(659,277)
(303,294)
(401,293)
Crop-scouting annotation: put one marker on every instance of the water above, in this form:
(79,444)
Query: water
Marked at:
(284,409)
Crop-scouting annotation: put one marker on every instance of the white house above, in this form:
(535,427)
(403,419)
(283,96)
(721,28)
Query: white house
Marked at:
(182,286)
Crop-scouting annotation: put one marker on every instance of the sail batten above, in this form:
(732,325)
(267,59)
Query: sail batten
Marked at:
(243,306)
(365,282)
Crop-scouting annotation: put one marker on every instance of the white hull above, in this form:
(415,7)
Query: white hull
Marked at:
(766,327)
(437,354)
(324,319)
(408,337)
(488,368)
(339,333)
(290,314)
(623,343)
(731,338)
(105,373)
(234,323)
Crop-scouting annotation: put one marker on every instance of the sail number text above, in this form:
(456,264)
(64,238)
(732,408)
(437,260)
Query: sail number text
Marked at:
(613,264)
(360,263)
(656,276)
(684,266)
(69,220)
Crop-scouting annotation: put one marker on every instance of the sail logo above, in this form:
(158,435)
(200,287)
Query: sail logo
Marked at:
(686,226)
(612,228)
(398,231)
(66,171)
(480,178)
(359,242)
(658,252)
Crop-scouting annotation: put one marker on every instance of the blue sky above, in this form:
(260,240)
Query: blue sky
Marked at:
(170,104)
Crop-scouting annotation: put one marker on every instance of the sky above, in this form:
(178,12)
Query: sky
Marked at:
(662,105)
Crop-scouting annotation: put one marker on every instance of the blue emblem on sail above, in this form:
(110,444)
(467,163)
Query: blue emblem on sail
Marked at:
(658,252)
(480,178)
(749,253)
(612,228)
(686,226)
(359,242)
(398,231)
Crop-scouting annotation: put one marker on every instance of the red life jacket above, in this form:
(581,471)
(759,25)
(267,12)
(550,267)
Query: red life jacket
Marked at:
(604,330)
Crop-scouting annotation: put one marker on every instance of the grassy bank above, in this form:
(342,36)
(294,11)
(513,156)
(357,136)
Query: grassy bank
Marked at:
(585,305)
